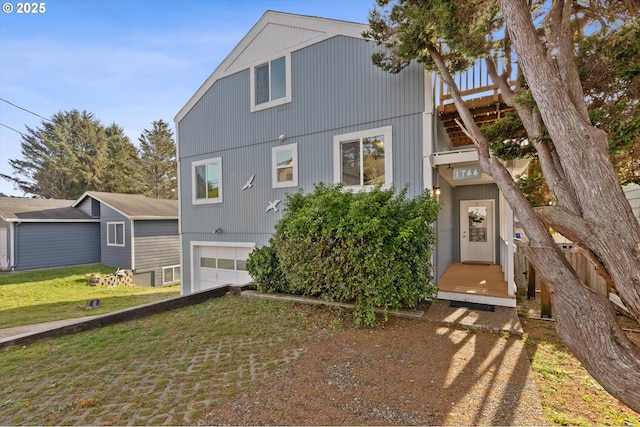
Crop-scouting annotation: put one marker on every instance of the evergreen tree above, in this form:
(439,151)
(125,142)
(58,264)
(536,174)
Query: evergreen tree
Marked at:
(591,209)
(63,158)
(159,159)
(124,173)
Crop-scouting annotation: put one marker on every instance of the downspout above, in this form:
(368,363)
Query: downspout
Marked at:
(133,247)
(182,265)
(13,245)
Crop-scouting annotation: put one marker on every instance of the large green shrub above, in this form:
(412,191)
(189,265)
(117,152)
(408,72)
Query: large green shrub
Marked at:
(264,268)
(371,248)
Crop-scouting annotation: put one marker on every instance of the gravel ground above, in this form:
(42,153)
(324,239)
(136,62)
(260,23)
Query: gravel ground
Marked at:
(410,372)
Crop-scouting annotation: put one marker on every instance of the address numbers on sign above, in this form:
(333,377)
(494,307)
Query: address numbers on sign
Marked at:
(467,173)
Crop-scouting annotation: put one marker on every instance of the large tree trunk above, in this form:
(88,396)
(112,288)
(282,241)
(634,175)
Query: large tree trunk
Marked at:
(598,216)
(604,224)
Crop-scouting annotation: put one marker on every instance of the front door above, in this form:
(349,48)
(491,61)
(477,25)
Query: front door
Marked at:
(477,239)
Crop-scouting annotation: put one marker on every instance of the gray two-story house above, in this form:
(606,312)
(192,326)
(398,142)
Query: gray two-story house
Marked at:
(128,231)
(297,102)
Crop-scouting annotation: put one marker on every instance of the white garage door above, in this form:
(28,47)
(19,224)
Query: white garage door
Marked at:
(217,266)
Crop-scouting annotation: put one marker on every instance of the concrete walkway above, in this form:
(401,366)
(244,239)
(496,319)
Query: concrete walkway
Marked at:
(30,333)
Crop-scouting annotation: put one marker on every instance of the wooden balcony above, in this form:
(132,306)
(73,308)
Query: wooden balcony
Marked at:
(481,96)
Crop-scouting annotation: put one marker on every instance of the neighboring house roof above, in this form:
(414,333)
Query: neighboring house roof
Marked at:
(135,206)
(275,32)
(18,209)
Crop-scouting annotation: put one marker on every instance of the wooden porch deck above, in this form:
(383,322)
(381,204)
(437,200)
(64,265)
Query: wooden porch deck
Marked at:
(475,283)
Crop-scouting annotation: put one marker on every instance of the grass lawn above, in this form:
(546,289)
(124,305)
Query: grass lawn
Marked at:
(173,368)
(56,294)
(166,369)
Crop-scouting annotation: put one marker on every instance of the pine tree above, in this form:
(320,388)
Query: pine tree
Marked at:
(159,159)
(124,172)
(63,158)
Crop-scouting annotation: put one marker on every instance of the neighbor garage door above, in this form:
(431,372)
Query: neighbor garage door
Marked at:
(217,266)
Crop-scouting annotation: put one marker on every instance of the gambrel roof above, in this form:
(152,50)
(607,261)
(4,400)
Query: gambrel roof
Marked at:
(275,32)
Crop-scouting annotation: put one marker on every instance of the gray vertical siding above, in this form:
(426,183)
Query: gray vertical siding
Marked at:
(5,243)
(90,206)
(157,245)
(117,256)
(335,90)
(475,192)
(42,245)
(445,225)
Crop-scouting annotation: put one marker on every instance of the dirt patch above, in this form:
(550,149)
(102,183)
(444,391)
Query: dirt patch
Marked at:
(408,372)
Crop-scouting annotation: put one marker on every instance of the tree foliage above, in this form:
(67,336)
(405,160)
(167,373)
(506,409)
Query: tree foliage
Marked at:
(609,69)
(609,64)
(373,249)
(160,162)
(571,133)
(124,172)
(73,153)
(63,158)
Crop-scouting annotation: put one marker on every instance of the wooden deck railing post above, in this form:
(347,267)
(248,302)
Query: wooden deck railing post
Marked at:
(531,281)
(545,301)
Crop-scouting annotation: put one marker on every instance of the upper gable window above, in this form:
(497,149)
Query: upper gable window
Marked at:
(271,83)
(363,159)
(207,181)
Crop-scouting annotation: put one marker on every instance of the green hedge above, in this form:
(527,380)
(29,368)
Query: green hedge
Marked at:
(370,248)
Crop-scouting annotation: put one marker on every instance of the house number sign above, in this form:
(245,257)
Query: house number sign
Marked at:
(467,173)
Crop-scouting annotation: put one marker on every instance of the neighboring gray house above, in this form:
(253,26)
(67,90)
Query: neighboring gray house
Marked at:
(137,233)
(297,102)
(126,231)
(41,233)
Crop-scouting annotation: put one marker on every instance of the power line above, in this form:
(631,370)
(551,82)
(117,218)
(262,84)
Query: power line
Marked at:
(9,127)
(24,109)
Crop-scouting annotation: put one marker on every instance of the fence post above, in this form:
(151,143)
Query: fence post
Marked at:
(531,281)
(545,301)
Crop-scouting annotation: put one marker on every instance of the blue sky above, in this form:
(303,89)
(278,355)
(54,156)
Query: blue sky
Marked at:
(128,62)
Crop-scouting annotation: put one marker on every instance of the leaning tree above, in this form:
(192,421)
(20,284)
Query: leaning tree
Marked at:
(591,208)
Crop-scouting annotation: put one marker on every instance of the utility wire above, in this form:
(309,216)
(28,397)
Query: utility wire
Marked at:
(24,109)
(9,127)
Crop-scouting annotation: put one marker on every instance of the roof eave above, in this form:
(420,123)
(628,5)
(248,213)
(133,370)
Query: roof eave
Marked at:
(152,218)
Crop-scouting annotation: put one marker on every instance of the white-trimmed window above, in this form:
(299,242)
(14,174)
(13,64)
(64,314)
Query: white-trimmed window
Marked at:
(207,181)
(363,159)
(271,83)
(170,275)
(115,233)
(284,166)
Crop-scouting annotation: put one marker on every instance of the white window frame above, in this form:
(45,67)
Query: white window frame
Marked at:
(176,278)
(252,83)
(274,166)
(115,235)
(194,181)
(386,132)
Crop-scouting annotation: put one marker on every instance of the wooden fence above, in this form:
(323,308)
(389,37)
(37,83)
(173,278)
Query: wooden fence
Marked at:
(584,268)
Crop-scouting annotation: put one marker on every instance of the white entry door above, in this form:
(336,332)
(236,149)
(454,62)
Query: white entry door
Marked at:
(477,238)
(3,249)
